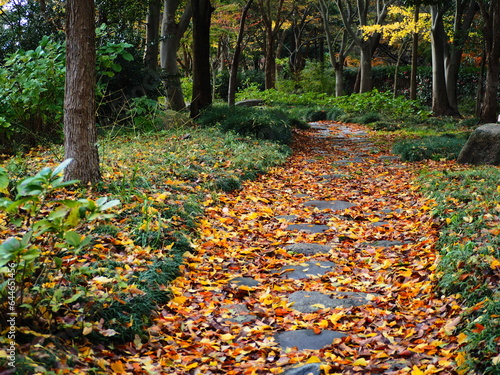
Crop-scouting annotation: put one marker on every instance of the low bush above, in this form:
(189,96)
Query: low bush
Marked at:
(433,148)
(262,123)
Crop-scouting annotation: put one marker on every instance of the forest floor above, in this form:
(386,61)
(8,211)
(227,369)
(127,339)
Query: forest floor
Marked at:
(323,265)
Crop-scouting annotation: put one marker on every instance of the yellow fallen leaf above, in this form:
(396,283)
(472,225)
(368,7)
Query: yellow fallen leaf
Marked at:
(87,330)
(313,359)
(462,337)
(226,337)
(318,305)
(496,360)
(416,371)
(179,300)
(495,263)
(360,362)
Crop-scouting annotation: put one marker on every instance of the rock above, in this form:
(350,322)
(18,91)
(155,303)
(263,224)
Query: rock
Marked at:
(483,146)
(306,339)
(250,103)
(307,369)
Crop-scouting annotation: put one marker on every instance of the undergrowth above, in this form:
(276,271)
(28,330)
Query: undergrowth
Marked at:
(103,282)
(468,207)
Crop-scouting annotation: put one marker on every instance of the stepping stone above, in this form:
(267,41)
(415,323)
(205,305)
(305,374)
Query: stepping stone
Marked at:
(304,339)
(239,313)
(330,205)
(308,248)
(309,302)
(300,195)
(307,369)
(386,243)
(245,282)
(307,269)
(312,228)
(379,224)
(332,176)
(287,217)
(389,157)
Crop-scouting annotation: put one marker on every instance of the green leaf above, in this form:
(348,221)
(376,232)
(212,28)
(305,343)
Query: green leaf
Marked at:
(109,204)
(4,181)
(73,238)
(73,298)
(58,262)
(61,166)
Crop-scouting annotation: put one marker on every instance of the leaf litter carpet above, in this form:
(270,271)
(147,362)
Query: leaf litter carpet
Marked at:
(325,265)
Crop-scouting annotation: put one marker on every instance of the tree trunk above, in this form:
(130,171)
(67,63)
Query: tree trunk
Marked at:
(172,33)
(152,35)
(270,62)
(80,135)
(414,57)
(491,33)
(365,83)
(233,73)
(440,103)
(202,87)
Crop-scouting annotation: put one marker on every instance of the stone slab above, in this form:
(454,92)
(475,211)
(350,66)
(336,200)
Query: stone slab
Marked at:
(311,301)
(307,269)
(238,313)
(307,369)
(308,248)
(330,205)
(304,339)
(312,228)
(244,281)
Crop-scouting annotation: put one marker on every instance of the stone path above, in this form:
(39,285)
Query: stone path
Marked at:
(312,263)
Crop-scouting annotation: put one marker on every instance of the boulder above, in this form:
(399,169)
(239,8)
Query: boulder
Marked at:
(483,146)
(250,103)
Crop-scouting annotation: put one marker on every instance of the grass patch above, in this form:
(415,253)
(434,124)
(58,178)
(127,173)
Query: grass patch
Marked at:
(445,147)
(468,206)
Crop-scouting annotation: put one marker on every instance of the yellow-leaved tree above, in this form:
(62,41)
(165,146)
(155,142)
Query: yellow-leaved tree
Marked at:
(399,30)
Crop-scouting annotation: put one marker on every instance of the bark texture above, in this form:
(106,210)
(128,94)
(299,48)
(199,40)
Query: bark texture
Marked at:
(202,87)
(80,135)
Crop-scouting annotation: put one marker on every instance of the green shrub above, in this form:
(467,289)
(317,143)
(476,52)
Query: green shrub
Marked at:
(434,148)
(262,123)
(385,126)
(32,94)
(314,115)
(334,114)
(368,118)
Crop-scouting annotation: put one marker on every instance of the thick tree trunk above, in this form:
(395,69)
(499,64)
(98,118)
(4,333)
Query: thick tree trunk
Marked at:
(233,73)
(152,35)
(365,83)
(80,136)
(171,35)
(202,87)
(440,103)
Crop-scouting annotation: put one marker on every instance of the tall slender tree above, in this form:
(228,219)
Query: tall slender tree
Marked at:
(367,44)
(233,73)
(490,11)
(80,135)
(202,86)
